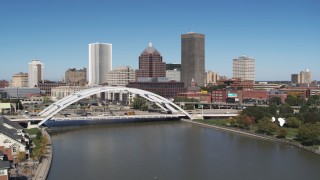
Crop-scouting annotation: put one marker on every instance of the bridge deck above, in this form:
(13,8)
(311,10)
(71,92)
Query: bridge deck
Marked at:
(122,117)
(102,117)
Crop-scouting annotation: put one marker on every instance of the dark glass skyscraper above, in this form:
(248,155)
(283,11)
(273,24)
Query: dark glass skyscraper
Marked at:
(192,58)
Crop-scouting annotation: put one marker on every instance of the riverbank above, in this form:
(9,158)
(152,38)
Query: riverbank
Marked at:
(33,169)
(248,133)
(43,167)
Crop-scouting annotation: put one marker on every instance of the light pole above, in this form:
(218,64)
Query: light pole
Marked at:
(202,109)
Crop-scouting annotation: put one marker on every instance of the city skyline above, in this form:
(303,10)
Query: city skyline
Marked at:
(281,35)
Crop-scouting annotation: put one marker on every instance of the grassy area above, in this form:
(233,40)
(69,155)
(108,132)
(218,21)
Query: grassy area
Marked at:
(32,131)
(36,139)
(220,122)
(291,132)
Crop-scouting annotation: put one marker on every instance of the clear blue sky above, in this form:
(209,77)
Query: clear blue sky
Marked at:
(282,35)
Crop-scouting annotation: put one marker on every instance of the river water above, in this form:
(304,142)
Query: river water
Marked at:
(174,150)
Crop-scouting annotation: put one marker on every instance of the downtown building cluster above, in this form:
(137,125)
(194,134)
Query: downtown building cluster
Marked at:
(155,75)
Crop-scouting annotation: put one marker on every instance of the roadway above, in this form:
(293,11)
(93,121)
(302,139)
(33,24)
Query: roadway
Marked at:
(197,113)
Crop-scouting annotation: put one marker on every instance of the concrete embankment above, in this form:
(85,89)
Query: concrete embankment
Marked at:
(43,168)
(261,136)
(228,129)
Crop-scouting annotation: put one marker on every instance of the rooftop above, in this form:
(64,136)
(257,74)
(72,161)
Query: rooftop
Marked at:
(150,49)
(4,164)
(15,125)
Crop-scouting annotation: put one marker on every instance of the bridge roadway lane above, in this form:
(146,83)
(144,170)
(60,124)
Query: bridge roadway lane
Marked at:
(214,111)
(207,113)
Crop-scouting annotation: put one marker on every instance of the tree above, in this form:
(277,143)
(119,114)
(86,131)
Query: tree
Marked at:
(231,121)
(299,116)
(256,113)
(139,103)
(43,145)
(47,99)
(204,88)
(210,87)
(285,110)
(35,155)
(282,133)
(312,116)
(144,107)
(313,100)
(266,126)
(184,99)
(309,134)
(293,122)
(243,121)
(304,109)
(21,157)
(275,100)
(43,141)
(295,100)
(272,109)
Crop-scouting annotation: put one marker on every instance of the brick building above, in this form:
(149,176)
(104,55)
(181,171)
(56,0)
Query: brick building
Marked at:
(165,89)
(74,77)
(237,83)
(151,64)
(4,83)
(255,96)
(47,85)
(219,95)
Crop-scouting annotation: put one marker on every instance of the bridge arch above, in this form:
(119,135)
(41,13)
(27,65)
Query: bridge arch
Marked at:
(56,107)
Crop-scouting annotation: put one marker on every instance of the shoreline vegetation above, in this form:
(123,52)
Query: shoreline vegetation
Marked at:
(41,156)
(218,124)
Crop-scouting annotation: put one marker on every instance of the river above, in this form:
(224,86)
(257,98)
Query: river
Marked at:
(173,150)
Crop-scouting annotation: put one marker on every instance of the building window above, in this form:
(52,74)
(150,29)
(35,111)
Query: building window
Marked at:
(2,172)
(14,149)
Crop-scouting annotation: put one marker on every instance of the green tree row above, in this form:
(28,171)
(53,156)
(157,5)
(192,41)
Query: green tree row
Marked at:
(307,121)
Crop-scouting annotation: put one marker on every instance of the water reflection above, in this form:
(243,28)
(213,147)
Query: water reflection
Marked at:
(174,150)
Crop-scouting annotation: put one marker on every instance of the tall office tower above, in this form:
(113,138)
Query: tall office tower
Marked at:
(100,62)
(74,77)
(35,73)
(193,58)
(150,64)
(295,78)
(244,68)
(20,80)
(121,76)
(305,76)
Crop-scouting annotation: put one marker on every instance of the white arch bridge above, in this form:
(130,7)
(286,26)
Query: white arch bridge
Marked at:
(160,101)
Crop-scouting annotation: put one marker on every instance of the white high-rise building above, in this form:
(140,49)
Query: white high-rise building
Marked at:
(36,73)
(244,68)
(305,76)
(100,62)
